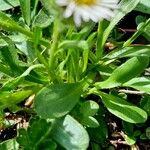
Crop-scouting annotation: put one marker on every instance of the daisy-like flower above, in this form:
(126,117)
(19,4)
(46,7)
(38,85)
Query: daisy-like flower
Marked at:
(86,10)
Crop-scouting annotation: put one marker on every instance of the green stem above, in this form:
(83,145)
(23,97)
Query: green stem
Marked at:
(42,41)
(100,44)
(37,34)
(53,49)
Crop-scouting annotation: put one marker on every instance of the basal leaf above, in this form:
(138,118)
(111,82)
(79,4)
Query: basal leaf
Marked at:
(70,134)
(128,70)
(99,134)
(145,103)
(141,84)
(57,100)
(25,8)
(123,109)
(43,19)
(129,52)
(90,121)
(10,58)
(13,83)
(143,6)
(89,108)
(34,137)
(131,140)
(9,145)
(8,99)
(8,24)
(8,4)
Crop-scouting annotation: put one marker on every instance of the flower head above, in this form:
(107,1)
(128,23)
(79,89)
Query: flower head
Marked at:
(86,10)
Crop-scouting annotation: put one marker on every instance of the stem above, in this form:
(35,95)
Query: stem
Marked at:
(100,44)
(53,49)
(42,41)
(36,37)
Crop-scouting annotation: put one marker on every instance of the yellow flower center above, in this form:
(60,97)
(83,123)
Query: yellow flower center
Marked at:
(85,2)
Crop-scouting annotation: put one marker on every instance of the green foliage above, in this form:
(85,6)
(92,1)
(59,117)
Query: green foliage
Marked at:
(141,83)
(123,109)
(145,102)
(87,110)
(25,9)
(70,134)
(143,6)
(36,136)
(124,73)
(5,5)
(77,83)
(57,100)
(100,133)
(9,144)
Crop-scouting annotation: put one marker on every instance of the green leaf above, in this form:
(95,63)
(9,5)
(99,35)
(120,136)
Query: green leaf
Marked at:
(131,140)
(99,134)
(148,132)
(101,33)
(89,121)
(143,137)
(129,133)
(89,108)
(24,45)
(146,33)
(141,84)
(10,58)
(70,134)
(143,6)
(128,128)
(8,4)
(128,70)
(8,24)
(25,8)
(43,19)
(9,145)
(15,97)
(57,100)
(36,135)
(86,111)
(129,52)
(95,146)
(145,103)
(13,83)
(123,109)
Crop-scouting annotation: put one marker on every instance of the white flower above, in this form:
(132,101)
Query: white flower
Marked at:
(86,10)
